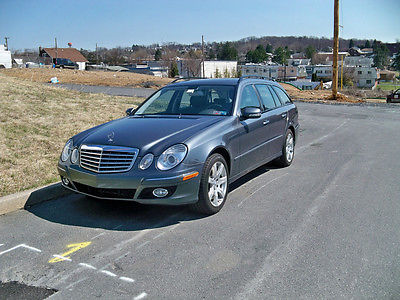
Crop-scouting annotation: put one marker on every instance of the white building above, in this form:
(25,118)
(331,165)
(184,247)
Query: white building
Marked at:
(223,67)
(5,58)
(364,77)
(212,68)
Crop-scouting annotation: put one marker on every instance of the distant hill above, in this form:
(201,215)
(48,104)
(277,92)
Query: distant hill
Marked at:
(296,44)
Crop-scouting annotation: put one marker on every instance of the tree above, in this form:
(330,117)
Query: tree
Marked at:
(157,55)
(211,54)
(258,55)
(173,70)
(217,73)
(281,55)
(351,43)
(381,55)
(310,50)
(227,51)
(367,44)
(269,48)
(396,62)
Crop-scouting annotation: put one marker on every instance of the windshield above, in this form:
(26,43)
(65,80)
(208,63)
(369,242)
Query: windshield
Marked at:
(190,100)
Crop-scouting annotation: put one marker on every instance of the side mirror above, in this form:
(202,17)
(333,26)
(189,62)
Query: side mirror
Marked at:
(130,111)
(250,112)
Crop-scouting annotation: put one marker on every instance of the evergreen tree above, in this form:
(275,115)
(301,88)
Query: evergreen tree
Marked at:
(157,55)
(351,43)
(269,48)
(367,44)
(173,70)
(211,54)
(381,55)
(310,50)
(281,55)
(396,62)
(227,51)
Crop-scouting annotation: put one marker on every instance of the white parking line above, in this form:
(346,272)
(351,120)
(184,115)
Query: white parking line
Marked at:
(108,273)
(140,296)
(127,279)
(62,257)
(87,266)
(261,187)
(19,246)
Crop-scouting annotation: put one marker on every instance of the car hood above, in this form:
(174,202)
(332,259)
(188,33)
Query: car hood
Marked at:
(149,133)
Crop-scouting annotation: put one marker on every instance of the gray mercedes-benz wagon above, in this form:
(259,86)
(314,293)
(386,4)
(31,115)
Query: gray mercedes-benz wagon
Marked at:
(184,144)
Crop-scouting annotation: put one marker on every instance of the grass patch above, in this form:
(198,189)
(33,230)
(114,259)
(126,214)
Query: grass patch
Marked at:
(105,78)
(35,122)
(388,86)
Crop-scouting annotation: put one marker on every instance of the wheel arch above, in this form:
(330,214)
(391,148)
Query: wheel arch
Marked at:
(225,153)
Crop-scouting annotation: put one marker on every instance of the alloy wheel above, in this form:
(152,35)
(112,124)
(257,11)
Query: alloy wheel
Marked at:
(217,184)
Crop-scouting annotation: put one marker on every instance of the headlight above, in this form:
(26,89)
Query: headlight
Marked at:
(146,161)
(66,151)
(171,157)
(74,155)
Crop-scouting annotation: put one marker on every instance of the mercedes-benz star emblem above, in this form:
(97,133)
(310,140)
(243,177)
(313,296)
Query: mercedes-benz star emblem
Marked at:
(111,137)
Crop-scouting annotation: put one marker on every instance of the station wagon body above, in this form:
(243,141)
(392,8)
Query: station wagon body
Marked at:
(184,144)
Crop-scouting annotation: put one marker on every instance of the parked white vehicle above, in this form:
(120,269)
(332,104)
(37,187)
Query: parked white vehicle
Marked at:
(5,58)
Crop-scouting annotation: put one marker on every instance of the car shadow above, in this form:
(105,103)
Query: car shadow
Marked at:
(80,211)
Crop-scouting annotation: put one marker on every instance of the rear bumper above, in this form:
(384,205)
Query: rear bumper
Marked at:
(130,186)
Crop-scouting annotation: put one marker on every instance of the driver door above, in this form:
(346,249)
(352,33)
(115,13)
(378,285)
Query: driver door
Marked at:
(252,139)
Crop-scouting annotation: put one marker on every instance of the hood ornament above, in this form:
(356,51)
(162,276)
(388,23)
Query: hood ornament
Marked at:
(110,137)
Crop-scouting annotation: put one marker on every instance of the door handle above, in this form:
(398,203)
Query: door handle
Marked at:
(265,122)
(283,115)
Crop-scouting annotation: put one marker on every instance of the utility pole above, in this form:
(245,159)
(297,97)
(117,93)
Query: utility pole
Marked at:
(335,50)
(97,55)
(55,45)
(202,55)
(6,44)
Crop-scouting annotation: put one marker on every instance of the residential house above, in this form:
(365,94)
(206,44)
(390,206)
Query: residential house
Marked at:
(49,56)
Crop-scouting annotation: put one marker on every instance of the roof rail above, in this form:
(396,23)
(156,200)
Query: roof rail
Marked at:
(251,76)
(186,79)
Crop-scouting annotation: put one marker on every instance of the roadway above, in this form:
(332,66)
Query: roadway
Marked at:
(325,227)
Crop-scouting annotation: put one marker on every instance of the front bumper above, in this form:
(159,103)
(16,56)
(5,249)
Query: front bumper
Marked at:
(134,185)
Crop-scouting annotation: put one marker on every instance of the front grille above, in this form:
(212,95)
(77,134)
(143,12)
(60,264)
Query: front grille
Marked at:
(105,193)
(107,159)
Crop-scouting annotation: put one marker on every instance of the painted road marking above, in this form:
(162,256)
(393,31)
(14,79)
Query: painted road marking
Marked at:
(108,273)
(75,247)
(127,279)
(62,257)
(87,266)
(96,236)
(261,187)
(140,296)
(21,246)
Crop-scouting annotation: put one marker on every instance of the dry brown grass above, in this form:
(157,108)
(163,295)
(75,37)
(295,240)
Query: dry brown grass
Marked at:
(35,122)
(318,95)
(88,77)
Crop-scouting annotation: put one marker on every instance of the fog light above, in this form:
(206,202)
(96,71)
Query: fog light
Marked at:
(159,193)
(65,181)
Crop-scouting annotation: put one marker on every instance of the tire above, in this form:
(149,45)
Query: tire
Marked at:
(213,185)
(388,100)
(287,150)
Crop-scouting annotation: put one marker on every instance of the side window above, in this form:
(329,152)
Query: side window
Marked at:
(249,97)
(282,95)
(266,96)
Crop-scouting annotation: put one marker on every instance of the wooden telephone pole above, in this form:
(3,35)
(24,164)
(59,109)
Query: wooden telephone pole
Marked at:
(335,50)
(202,56)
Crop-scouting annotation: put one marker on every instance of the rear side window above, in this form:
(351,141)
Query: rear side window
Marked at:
(282,95)
(266,97)
(249,97)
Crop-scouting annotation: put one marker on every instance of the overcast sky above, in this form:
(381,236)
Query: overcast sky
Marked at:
(34,23)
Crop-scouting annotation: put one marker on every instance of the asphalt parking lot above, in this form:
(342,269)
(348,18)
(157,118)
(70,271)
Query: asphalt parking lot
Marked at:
(326,227)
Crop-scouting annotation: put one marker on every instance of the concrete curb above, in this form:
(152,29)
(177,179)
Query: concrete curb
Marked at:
(31,197)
